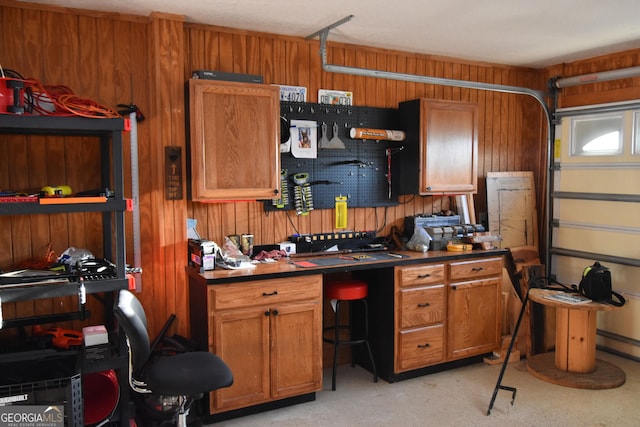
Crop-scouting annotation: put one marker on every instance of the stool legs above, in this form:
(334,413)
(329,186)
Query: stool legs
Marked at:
(336,342)
(351,341)
(366,338)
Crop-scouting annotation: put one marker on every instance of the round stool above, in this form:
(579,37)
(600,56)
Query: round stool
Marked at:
(350,291)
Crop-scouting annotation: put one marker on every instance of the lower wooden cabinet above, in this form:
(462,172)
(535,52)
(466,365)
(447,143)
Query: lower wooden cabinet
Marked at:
(269,332)
(442,312)
(474,305)
(473,318)
(421,316)
(420,311)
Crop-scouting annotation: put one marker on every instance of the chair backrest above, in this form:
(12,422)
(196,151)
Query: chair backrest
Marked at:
(133,322)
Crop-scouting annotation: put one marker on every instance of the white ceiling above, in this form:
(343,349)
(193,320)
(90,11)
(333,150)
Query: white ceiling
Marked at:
(532,33)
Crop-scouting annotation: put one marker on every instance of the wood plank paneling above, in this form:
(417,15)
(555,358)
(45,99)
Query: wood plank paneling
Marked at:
(117,59)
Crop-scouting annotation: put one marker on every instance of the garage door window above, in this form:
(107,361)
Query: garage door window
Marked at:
(600,135)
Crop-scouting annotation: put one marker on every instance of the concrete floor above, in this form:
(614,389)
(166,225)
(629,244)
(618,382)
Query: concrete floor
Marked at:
(460,397)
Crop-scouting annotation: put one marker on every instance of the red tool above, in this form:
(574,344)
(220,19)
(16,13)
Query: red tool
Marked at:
(11,95)
(65,338)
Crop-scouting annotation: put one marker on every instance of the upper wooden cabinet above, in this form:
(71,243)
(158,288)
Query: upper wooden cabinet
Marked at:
(234,140)
(441,148)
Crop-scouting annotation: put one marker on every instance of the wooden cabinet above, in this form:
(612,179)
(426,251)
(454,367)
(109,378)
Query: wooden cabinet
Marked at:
(441,148)
(420,314)
(443,311)
(474,307)
(446,311)
(269,333)
(234,140)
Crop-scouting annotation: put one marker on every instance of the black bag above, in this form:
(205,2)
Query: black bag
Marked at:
(596,285)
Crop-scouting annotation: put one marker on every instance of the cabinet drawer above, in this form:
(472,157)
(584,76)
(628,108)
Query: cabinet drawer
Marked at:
(420,275)
(420,347)
(269,292)
(475,268)
(422,306)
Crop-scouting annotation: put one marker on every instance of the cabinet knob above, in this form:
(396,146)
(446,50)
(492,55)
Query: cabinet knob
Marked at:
(275,191)
(274,312)
(477,269)
(423,276)
(426,345)
(426,304)
(428,188)
(266,294)
(267,313)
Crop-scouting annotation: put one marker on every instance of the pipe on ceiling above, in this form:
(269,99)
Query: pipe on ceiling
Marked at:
(554,85)
(366,72)
(603,76)
(537,95)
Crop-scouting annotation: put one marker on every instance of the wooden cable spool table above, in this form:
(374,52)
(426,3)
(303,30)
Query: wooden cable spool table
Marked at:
(574,363)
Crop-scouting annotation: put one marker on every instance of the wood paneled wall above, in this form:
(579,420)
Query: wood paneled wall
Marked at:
(146,60)
(98,56)
(510,125)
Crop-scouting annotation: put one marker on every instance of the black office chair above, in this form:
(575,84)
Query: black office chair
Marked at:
(185,375)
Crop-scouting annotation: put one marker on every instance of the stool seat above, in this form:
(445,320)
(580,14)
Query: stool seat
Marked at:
(347,290)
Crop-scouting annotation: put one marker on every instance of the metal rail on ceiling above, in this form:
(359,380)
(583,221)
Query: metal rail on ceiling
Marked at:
(554,85)
(367,72)
(539,96)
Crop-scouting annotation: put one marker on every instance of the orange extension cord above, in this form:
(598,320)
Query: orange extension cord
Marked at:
(64,102)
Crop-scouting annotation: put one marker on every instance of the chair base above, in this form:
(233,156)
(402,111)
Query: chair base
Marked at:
(149,413)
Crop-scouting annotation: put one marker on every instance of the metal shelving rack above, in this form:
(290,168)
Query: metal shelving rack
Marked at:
(109,133)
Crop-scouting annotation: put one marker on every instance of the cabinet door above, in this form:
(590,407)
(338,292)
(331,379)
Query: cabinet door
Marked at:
(449,147)
(296,348)
(235,142)
(241,339)
(473,318)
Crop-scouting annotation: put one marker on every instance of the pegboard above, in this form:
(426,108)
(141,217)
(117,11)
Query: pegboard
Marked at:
(358,172)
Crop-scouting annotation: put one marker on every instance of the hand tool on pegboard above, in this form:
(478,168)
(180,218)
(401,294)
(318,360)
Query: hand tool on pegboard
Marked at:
(283,200)
(389,152)
(302,194)
(341,212)
(335,141)
(324,139)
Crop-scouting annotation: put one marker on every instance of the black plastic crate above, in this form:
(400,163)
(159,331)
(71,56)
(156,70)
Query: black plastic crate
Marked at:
(48,380)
